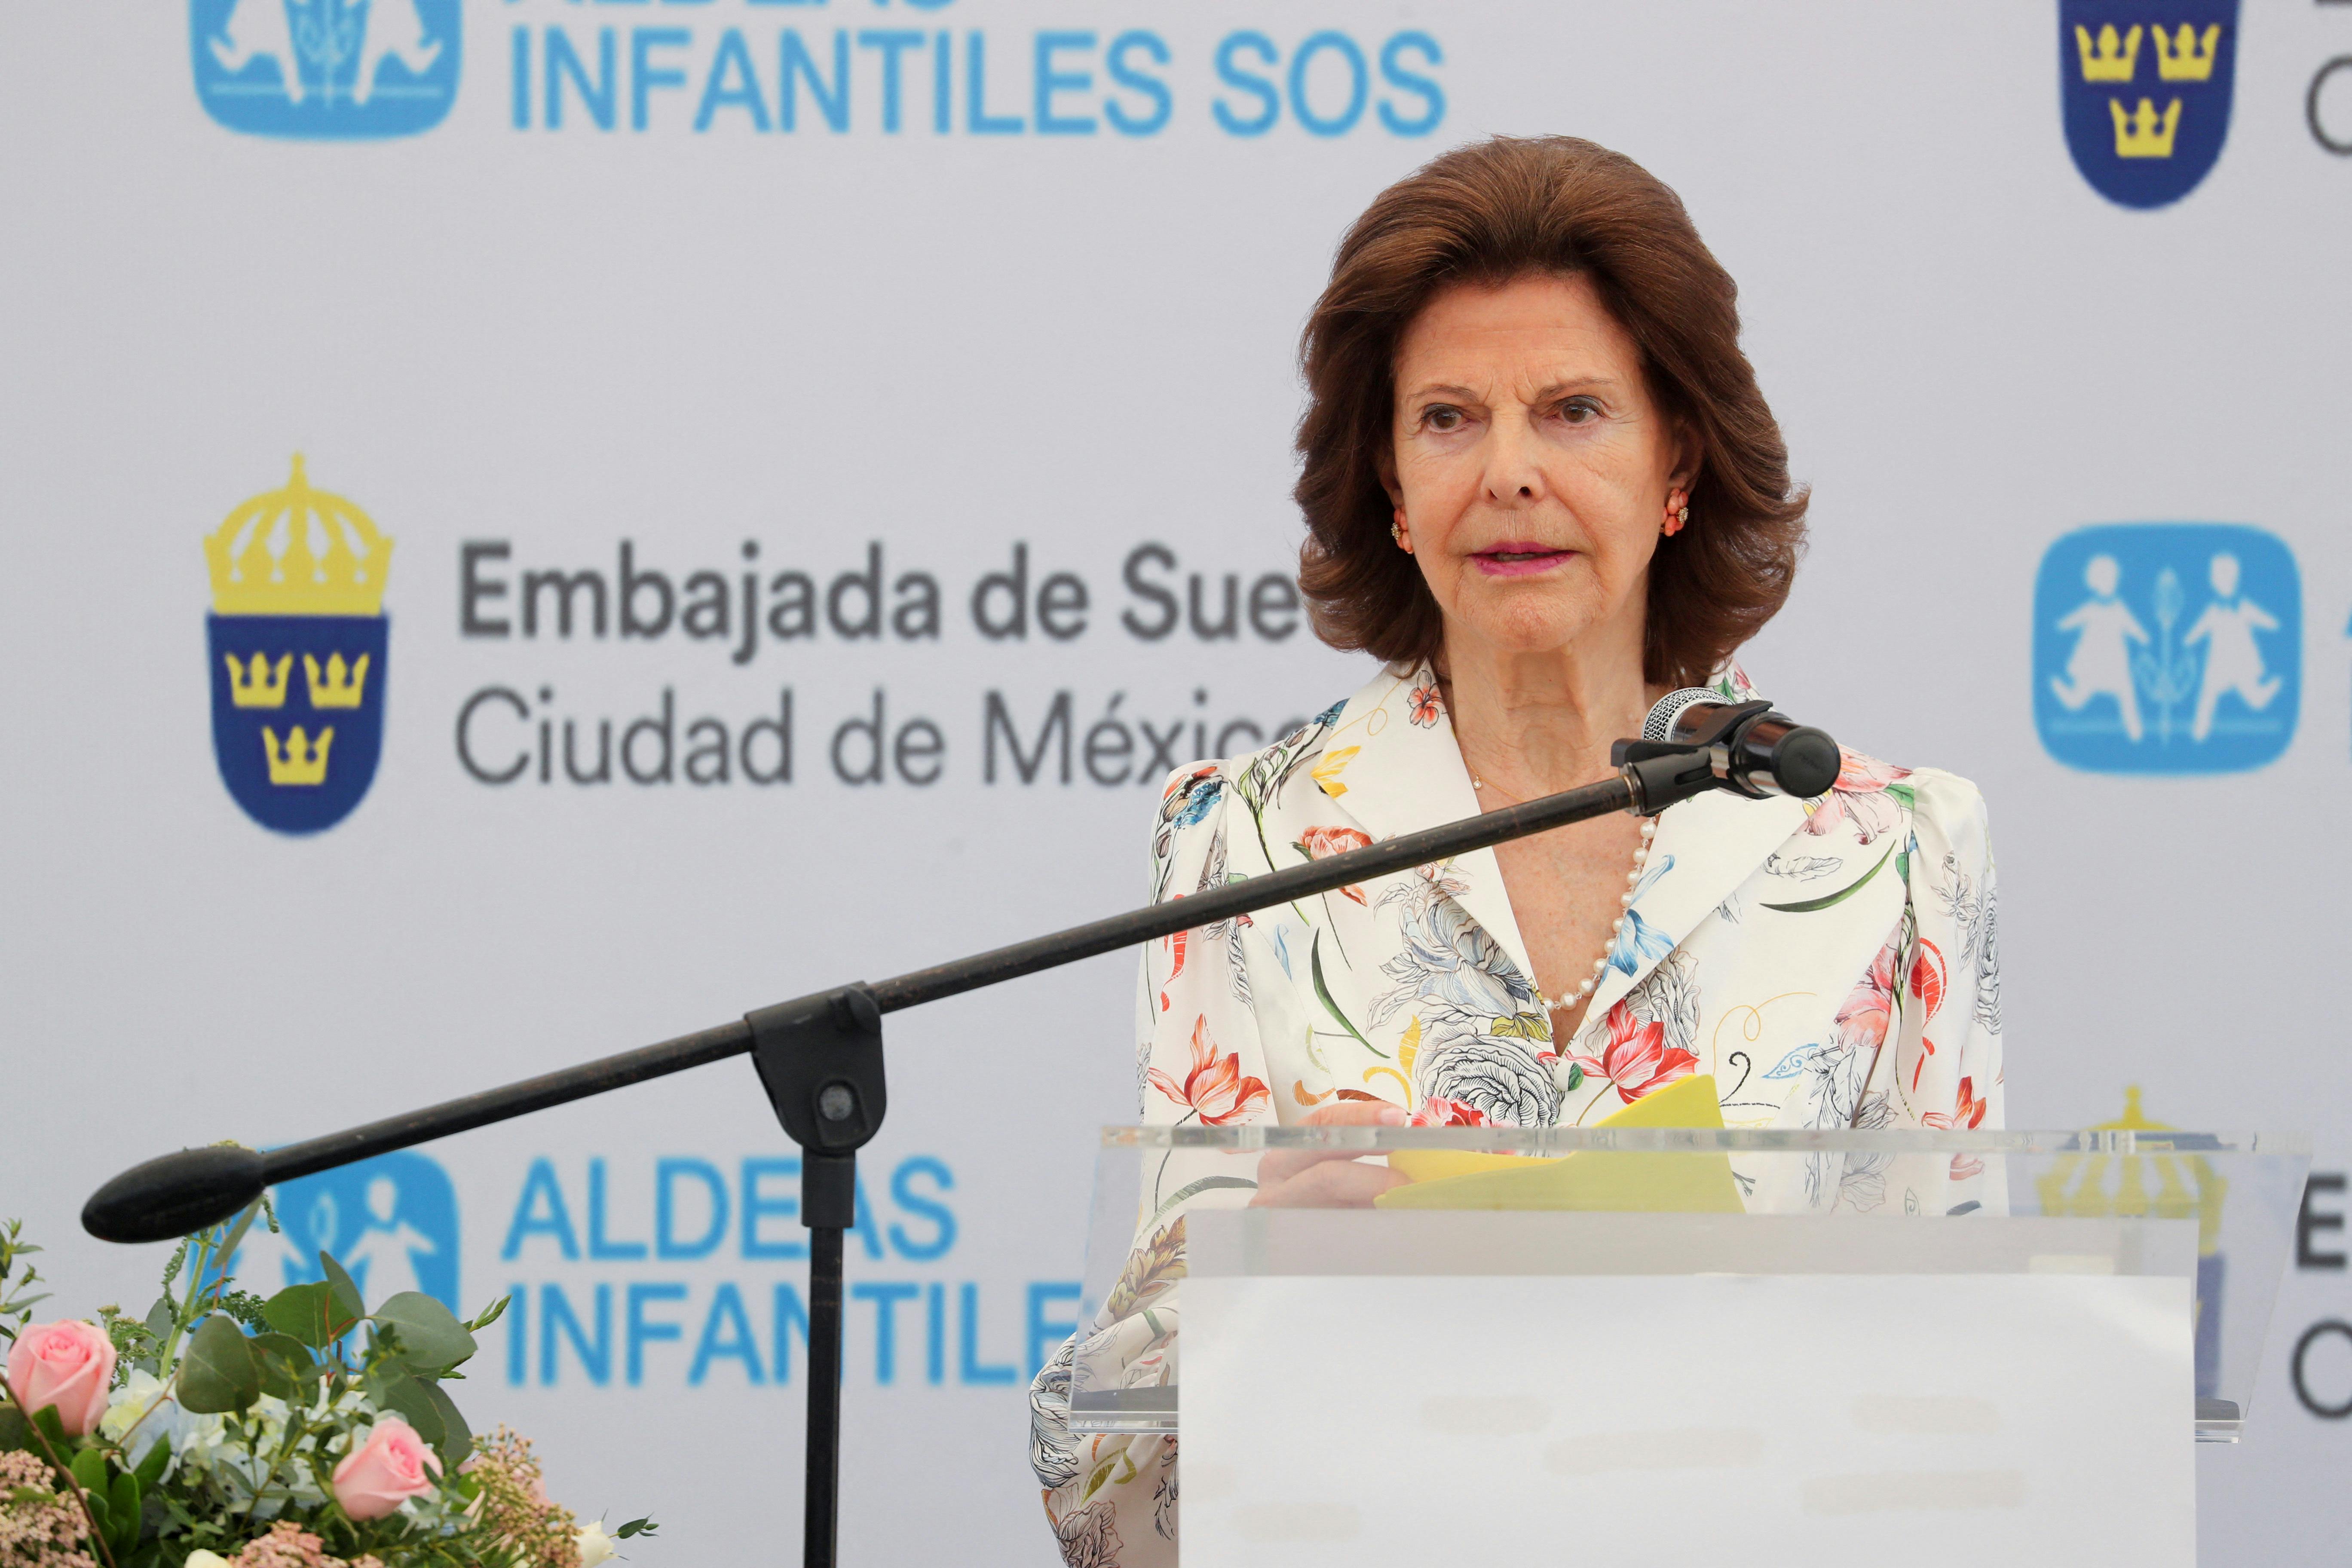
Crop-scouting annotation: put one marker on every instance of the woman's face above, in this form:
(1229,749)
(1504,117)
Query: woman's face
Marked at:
(1532,467)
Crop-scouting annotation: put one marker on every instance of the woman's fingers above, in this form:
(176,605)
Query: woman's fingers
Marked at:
(1331,1184)
(1356,1113)
(1328,1178)
(1279,1165)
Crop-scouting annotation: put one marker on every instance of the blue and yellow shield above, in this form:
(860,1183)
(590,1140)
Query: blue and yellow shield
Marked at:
(2145,89)
(298,643)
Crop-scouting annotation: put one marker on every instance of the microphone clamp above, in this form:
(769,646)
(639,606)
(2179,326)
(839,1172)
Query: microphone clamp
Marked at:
(1743,747)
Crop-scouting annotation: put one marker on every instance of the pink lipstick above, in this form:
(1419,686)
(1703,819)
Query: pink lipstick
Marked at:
(1519,558)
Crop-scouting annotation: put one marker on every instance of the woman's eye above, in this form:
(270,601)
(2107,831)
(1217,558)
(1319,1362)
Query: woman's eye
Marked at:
(1443,418)
(1579,411)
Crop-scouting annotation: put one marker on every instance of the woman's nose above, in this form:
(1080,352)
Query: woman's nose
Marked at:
(1513,475)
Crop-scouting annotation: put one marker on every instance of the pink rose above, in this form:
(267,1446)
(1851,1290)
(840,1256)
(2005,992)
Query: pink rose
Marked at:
(68,1364)
(384,1471)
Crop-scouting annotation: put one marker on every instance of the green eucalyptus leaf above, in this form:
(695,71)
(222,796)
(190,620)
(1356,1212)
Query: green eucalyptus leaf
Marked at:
(159,1318)
(218,1375)
(15,1432)
(302,1312)
(90,1470)
(395,1389)
(284,1364)
(456,1437)
(96,1503)
(431,1337)
(52,1425)
(311,1313)
(347,1290)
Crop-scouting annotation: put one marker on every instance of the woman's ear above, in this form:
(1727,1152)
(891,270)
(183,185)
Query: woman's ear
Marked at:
(1384,466)
(1684,477)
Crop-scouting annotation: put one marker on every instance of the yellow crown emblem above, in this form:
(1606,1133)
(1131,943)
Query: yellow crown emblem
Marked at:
(2143,133)
(257,685)
(2181,58)
(301,759)
(341,688)
(2115,59)
(2094,1187)
(297,552)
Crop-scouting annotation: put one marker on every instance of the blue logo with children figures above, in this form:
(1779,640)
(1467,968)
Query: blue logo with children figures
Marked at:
(391,1221)
(326,69)
(2166,647)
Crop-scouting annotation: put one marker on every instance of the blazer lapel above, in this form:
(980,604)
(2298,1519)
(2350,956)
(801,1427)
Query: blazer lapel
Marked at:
(1704,848)
(1392,762)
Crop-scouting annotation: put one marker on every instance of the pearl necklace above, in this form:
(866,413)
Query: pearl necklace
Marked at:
(1585,987)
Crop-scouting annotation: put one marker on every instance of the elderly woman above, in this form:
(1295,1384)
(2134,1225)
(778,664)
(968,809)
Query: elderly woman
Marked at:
(1541,487)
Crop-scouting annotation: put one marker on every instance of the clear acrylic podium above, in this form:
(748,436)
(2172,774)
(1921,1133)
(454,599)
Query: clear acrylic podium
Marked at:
(1653,1343)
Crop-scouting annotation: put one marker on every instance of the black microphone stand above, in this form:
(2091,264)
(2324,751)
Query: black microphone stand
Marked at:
(820,1060)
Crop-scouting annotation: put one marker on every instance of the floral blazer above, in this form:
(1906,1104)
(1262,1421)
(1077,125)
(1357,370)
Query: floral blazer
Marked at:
(1831,962)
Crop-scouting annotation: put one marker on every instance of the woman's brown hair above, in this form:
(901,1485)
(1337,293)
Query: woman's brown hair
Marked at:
(1487,213)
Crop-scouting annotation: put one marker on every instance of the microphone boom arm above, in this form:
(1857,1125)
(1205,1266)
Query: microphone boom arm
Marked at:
(820,1060)
(146,1202)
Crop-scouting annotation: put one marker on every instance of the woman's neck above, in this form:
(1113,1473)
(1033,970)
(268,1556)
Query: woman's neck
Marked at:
(1534,723)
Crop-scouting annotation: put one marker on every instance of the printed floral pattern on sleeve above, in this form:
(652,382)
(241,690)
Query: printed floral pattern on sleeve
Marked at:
(1830,962)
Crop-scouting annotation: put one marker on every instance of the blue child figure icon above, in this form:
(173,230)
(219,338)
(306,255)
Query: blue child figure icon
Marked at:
(2105,630)
(384,1258)
(290,1256)
(2233,661)
(2194,630)
(392,1222)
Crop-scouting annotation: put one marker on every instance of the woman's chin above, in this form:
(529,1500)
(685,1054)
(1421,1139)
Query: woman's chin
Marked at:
(1531,625)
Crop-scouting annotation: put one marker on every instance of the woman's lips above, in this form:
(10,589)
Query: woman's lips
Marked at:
(1519,558)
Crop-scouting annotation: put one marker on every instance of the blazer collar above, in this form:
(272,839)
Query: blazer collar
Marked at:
(1391,760)
(1704,848)
(1390,757)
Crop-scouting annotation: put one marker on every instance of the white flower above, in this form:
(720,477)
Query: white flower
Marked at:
(595,1545)
(131,1410)
(200,1558)
(127,1406)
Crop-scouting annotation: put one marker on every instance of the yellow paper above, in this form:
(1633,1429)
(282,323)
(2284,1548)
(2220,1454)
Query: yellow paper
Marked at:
(1600,1181)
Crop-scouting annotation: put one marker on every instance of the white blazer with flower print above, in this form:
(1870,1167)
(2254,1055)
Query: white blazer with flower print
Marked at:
(1831,962)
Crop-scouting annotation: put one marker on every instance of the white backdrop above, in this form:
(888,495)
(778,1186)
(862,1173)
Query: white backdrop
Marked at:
(959,344)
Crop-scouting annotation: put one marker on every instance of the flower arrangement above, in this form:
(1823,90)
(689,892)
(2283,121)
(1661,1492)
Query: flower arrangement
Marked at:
(224,1430)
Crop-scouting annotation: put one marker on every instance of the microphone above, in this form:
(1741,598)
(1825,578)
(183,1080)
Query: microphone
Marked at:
(1751,750)
(175,1194)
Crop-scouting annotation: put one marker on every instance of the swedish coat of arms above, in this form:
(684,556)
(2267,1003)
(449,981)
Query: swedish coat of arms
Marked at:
(299,642)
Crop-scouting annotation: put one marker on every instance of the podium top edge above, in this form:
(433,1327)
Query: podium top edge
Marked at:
(1546,1141)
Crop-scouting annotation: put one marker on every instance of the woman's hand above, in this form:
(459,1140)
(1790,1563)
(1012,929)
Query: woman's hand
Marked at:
(1328,1178)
